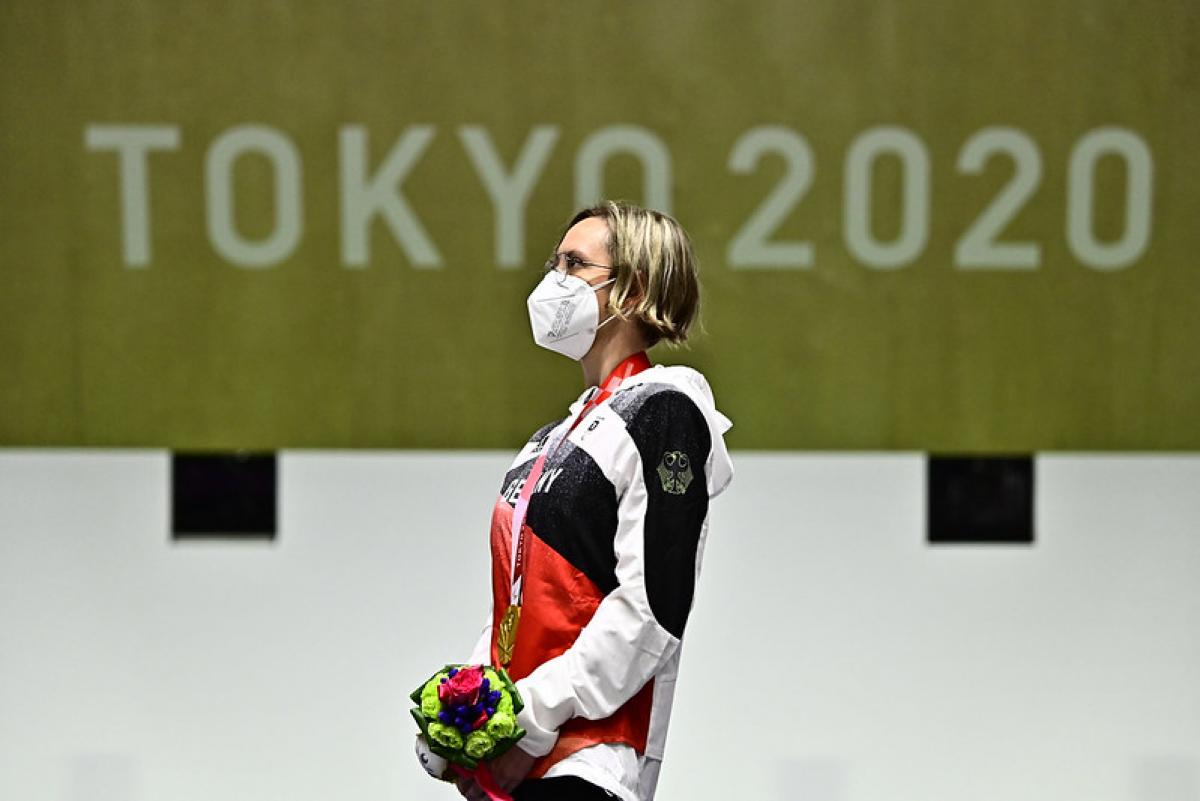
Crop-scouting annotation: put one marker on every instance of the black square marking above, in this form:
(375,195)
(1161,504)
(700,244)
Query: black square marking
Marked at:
(985,499)
(223,495)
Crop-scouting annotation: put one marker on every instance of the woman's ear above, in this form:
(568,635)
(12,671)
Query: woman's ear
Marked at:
(631,303)
(636,292)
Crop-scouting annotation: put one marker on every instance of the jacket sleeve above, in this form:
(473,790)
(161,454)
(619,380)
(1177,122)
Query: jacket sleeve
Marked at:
(661,513)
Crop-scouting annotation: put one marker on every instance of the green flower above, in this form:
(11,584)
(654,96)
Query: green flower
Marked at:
(505,705)
(502,725)
(479,744)
(430,705)
(445,736)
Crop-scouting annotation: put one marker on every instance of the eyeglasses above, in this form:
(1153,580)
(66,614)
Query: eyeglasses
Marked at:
(569,265)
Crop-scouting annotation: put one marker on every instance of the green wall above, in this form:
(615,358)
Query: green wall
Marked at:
(925,225)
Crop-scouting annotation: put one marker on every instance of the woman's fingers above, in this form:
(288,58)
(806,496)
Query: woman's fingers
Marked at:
(469,789)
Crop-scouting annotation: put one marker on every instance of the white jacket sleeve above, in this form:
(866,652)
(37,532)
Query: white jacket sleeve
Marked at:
(637,627)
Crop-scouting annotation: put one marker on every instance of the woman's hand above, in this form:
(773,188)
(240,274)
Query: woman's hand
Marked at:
(512,767)
(469,789)
(508,770)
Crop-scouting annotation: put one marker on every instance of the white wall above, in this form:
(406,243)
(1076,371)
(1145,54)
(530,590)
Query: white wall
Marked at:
(135,669)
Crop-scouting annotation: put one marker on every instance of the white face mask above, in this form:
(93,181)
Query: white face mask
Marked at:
(563,314)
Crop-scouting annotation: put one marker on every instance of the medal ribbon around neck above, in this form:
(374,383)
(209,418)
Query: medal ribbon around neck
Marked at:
(507,638)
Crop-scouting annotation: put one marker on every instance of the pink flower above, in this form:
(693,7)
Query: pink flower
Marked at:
(463,687)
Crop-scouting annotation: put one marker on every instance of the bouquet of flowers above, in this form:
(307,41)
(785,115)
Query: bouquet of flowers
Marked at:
(468,715)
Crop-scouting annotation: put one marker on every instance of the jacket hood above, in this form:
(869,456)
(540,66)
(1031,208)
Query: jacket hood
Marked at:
(719,468)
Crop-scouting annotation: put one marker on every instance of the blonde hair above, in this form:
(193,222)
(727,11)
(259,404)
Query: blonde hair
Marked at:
(653,259)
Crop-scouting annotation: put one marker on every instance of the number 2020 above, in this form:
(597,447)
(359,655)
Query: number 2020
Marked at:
(980,246)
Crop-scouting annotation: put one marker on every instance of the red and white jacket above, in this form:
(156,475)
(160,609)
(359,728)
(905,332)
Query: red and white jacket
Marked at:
(616,530)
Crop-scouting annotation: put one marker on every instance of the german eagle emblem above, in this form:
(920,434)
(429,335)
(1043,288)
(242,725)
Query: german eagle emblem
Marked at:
(675,472)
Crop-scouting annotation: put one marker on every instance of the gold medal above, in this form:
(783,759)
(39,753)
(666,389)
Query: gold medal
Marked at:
(507,639)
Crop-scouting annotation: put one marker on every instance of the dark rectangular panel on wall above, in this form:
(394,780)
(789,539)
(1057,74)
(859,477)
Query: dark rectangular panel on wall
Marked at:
(980,499)
(223,495)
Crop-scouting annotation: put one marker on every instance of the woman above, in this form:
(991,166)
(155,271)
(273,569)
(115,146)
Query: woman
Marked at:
(611,506)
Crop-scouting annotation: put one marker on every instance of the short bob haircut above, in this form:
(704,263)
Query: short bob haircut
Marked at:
(653,258)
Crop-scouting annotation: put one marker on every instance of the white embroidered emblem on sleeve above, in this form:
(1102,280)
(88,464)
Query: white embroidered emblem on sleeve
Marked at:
(675,472)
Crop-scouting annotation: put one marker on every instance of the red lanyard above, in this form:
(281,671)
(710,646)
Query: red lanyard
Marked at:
(630,366)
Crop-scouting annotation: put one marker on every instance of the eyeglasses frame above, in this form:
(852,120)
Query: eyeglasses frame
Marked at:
(570,263)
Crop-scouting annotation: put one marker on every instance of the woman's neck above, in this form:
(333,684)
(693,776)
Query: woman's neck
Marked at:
(610,351)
